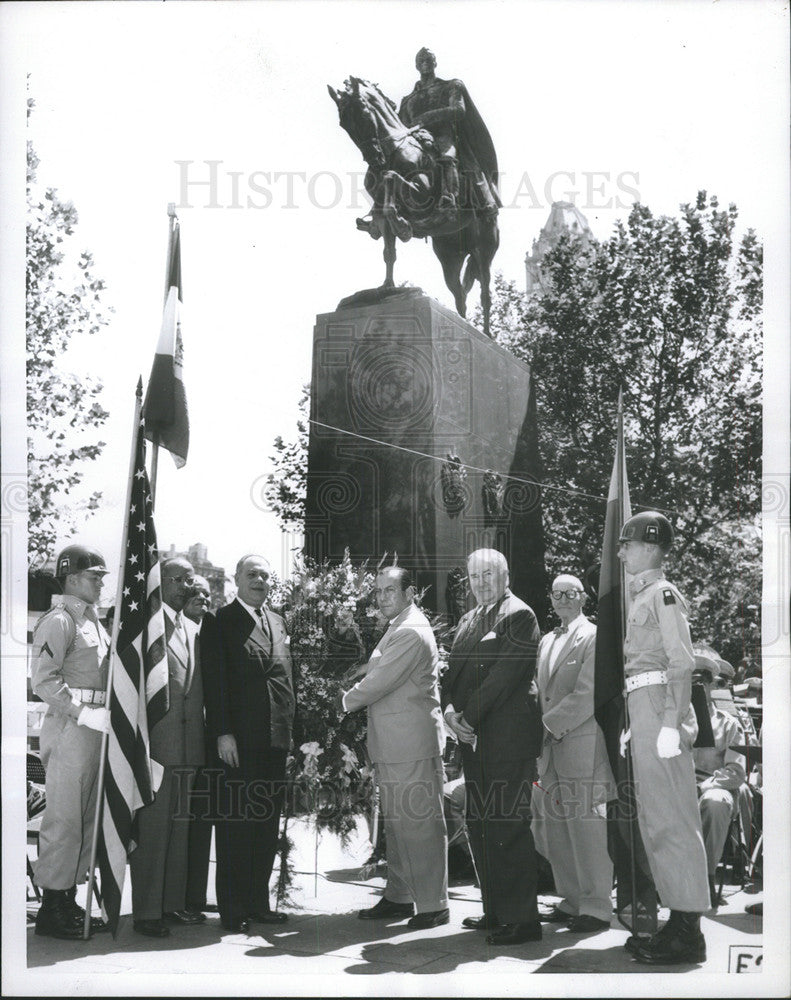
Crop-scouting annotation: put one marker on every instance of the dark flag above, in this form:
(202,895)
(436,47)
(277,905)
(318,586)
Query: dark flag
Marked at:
(165,407)
(139,690)
(634,884)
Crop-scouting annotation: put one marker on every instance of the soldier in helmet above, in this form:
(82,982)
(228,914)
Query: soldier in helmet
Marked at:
(69,672)
(658,665)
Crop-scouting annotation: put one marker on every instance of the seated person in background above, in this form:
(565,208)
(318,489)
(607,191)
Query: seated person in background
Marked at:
(454,802)
(722,782)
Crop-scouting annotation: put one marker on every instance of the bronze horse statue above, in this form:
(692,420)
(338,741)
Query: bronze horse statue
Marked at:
(403,179)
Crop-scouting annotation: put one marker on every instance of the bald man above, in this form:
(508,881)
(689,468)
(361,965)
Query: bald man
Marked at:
(490,701)
(250,706)
(574,776)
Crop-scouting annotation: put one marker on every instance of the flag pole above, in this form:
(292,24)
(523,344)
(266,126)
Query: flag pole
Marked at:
(172,217)
(631,818)
(113,655)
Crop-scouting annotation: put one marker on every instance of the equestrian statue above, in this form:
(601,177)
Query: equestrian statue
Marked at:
(432,171)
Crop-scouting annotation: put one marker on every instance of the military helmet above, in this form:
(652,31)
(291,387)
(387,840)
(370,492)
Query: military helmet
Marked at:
(78,559)
(648,526)
(705,660)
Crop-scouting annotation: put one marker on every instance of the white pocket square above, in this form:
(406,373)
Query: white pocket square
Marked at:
(489,635)
(287,640)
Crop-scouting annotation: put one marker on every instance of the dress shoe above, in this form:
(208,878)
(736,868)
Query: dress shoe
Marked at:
(151,928)
(236,926)
(268,917)
(515,934)
(557,916)
(634,942)
(430,918)
(386,908)
(586,923)
(483,923)
(185,917)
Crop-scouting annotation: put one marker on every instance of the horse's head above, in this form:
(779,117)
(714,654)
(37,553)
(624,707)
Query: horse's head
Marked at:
(357,115)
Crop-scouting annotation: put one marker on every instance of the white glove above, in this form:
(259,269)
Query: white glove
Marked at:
(94,718)
(668,742)
(626,735)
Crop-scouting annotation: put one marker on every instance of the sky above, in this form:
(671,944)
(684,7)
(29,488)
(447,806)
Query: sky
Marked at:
(596,101)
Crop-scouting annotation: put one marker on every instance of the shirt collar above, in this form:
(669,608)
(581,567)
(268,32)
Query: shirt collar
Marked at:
(253,612)
(401,615)
(576,622)
(641,581)
(75,606)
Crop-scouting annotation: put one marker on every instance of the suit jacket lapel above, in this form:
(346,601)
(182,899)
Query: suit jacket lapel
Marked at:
(176,643)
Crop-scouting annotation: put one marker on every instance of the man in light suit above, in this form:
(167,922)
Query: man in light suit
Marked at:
(490,700)
(250,707)
(405,741)
(158,864)
(574,776)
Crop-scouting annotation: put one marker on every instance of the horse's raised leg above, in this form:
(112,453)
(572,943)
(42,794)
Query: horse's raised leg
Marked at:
(399,225)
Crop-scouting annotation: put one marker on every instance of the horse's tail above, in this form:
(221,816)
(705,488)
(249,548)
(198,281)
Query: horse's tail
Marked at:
(469,274)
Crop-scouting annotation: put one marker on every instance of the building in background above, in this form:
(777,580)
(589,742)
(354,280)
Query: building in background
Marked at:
(197,557)
(564,219)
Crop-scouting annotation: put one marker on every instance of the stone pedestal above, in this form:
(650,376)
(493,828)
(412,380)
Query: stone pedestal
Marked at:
(400,391)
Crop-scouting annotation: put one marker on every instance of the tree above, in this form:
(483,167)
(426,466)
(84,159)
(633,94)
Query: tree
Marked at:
(286,487)
(63,299)
(666,310)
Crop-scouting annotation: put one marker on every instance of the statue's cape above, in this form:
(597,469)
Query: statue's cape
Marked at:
(473,139)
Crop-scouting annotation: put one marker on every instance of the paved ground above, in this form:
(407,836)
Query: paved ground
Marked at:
(324,949)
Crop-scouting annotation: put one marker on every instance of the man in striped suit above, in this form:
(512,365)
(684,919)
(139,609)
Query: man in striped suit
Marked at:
(158,864)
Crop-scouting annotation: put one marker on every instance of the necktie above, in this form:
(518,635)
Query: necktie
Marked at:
(561,630)
(262,621)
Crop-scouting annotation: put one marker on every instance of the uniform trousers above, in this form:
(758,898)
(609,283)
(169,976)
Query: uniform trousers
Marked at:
(410,797)
(717,807)
(573,838)
(70,755)
(498,824)
(158,865)
(667,807)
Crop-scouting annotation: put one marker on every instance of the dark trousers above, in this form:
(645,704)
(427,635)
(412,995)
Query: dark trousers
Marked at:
(246,832)
(498,823)
(203,805)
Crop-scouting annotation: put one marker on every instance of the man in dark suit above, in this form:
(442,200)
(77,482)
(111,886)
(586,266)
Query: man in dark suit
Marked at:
(250,704)
(490,700)
(158,864)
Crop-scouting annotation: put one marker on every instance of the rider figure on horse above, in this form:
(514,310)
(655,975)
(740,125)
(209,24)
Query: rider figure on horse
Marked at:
(444,109)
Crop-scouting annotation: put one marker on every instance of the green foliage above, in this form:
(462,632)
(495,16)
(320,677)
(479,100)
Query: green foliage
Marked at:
(63,299)
(665,309)
(285,489)
(333,626)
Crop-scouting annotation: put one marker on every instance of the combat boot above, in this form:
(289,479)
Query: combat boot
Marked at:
(55,918)
(636,941)
(685,943)
(79,914)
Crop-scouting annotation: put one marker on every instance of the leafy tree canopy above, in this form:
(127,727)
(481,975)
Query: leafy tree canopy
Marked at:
(669,309)
(64,298)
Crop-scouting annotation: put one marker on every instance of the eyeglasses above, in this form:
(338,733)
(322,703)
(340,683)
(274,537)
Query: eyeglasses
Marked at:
(184,578)
(570,595)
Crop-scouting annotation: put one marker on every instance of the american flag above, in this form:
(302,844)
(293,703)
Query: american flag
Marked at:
(139,694)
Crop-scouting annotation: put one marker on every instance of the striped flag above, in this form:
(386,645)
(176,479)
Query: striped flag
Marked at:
(139,692)
(611,618)
(635,887)
(165,407)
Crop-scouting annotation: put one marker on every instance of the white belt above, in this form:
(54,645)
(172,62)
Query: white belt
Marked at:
(646,679)
(88,696)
